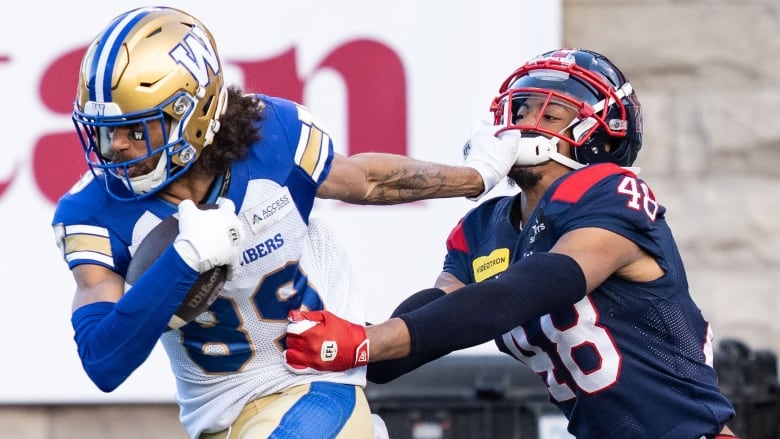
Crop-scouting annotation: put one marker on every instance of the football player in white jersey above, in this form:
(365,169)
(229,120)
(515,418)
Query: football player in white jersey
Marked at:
(162,133)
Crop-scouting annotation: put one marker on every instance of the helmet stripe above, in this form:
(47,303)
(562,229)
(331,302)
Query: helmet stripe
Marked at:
(102,67)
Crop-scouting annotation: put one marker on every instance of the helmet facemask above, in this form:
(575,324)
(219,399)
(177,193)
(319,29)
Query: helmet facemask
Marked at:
(173,155)
(600,121)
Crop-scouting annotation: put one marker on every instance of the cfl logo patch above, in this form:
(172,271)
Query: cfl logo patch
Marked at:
(329,350)
(234,235)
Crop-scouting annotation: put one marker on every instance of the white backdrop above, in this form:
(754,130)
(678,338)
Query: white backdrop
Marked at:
(454,55)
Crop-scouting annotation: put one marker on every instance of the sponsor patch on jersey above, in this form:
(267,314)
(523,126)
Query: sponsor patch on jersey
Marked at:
(488,266)
(270,211)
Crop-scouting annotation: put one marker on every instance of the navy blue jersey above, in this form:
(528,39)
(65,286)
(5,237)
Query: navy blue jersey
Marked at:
(630,360)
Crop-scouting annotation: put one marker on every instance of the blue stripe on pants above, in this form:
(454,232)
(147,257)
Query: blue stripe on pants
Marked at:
(321,413)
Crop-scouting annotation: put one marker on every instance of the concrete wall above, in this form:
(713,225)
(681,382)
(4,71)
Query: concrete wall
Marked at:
(706,73)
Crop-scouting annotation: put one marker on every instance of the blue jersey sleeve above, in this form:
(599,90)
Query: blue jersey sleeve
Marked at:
(294,125)
(81,230)
(480,246)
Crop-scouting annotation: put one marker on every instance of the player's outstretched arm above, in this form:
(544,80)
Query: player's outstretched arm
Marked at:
(385,371)
(381,178)
(534,286)
(322,341)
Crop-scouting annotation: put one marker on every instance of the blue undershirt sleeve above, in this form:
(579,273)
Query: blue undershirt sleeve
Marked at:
(113,339)
(476,313)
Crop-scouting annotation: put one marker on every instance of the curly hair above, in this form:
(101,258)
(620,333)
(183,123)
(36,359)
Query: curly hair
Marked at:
(239,129)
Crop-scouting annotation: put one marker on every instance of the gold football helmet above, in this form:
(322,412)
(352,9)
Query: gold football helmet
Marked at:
(149,64)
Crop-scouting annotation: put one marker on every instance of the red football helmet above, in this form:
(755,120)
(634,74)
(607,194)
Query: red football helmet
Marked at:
(608,122)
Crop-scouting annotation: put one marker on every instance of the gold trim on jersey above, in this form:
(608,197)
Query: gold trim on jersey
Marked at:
(312,150)
(488,266)
(311,153)
(313,144)
(86,242)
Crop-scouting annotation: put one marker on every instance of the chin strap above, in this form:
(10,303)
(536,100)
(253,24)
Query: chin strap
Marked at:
(566,161)
(538,149)
(145,183)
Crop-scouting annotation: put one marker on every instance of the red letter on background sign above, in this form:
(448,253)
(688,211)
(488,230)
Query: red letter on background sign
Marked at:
(376,91)
(4,184)
(58,160)
(274,77)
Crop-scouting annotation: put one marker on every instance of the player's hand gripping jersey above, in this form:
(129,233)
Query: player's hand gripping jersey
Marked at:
(233,353)
(606,345)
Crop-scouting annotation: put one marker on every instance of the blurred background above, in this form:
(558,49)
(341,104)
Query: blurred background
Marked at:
(412,77)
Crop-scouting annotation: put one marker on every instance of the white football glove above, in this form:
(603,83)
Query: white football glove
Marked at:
(209,237)
(491,156)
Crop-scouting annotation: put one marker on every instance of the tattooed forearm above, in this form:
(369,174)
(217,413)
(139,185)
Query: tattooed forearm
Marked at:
(423,181)
(378,178)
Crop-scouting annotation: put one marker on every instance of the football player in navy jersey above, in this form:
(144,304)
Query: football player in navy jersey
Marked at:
(578,275)
(162,133)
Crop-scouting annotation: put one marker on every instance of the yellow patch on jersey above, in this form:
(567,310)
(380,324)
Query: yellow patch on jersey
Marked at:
(488,266)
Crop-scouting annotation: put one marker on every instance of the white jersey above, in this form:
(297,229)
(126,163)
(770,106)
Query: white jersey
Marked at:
(253,363)
(233,353)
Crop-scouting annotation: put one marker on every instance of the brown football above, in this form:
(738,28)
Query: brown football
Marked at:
(206,288)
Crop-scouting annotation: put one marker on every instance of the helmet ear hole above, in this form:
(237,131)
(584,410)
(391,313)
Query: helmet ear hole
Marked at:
(207,105)
(595,150)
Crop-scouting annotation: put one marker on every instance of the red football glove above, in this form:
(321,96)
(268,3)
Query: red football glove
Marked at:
(321,341)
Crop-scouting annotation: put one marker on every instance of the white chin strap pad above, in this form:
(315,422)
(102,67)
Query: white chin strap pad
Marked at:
(145,183)
(535,150)
(538,149)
